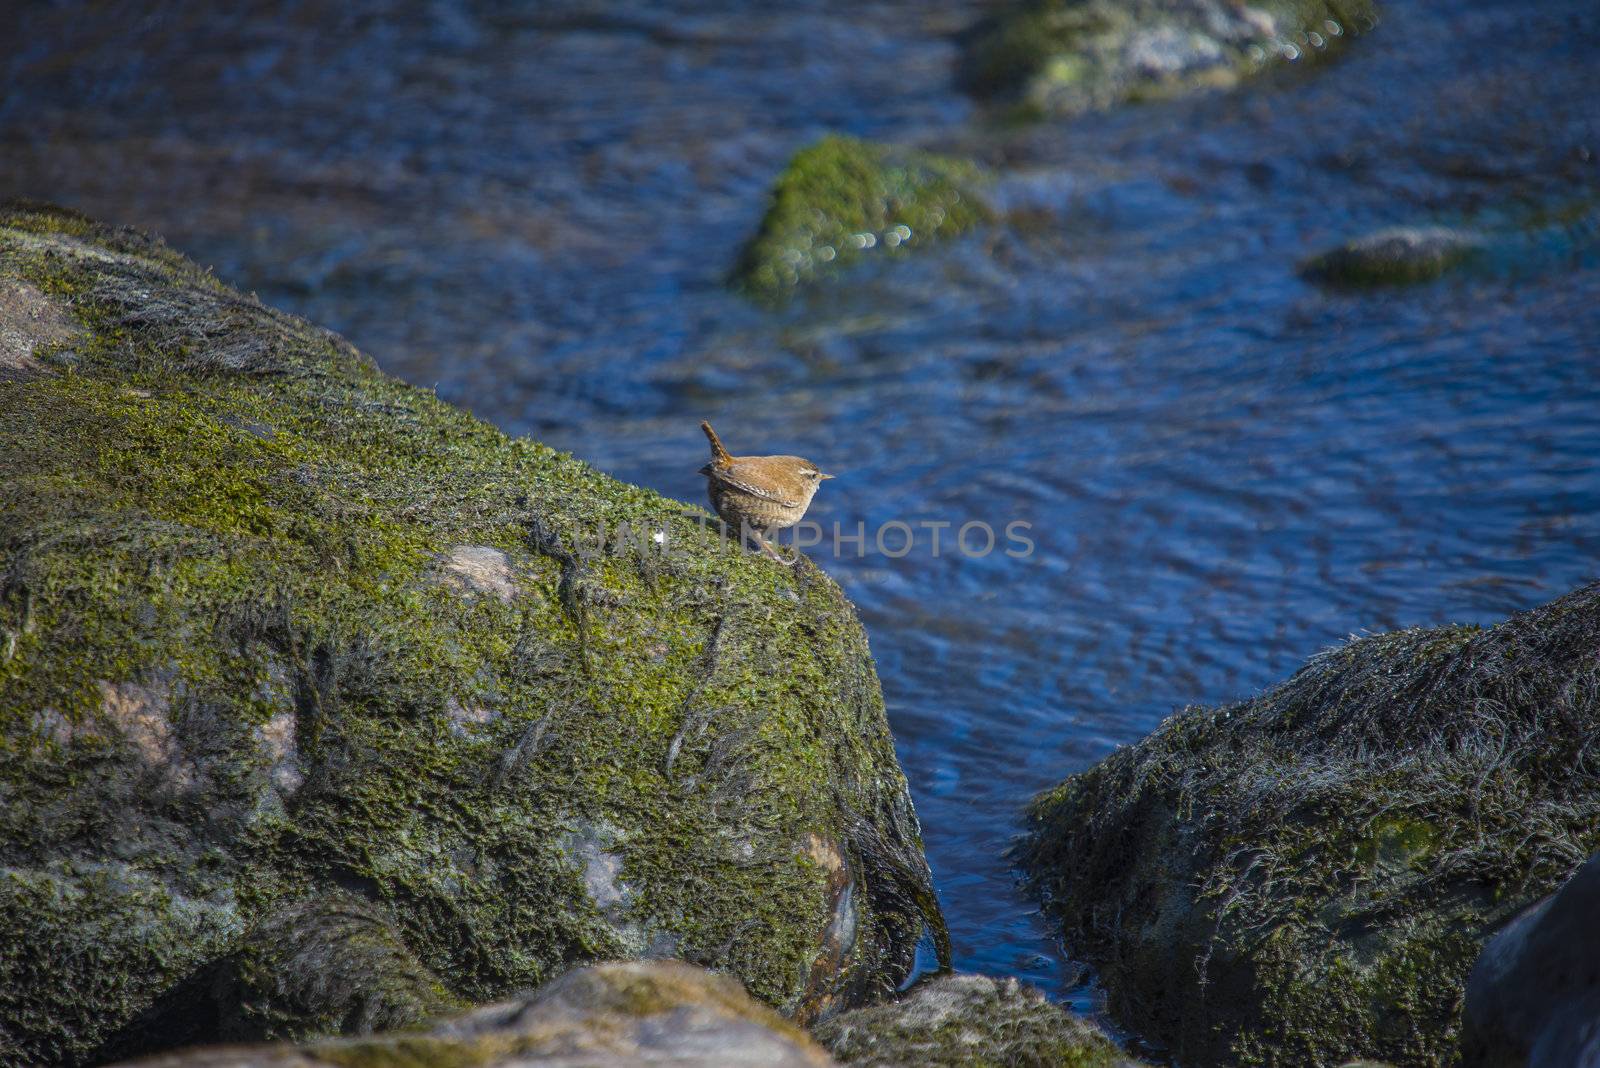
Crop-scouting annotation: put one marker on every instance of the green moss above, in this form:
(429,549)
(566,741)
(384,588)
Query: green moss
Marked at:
(327,965)
(1392,1002)
(1331,854)
(1398,840)
(116,931)
(1070,56)
(842,199)
(237,659)
(969,1020)
(422,1051)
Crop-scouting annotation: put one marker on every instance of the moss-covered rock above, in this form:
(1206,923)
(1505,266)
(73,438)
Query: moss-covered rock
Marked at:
(1306,877)
(1399,256)
(323,704)
(652,1012)
(1070,56)
(843,199)
(332,965)
(969,1021)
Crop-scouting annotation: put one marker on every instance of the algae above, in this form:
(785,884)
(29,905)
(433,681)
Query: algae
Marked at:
(1398,256)
(844,199)
(1065,57)
(1306,877)
(970,1021)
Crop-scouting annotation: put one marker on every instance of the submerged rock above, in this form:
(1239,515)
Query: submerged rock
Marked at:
(324,705)
(967,1020)
(657,1012)
(1533,998)
(1306,877)
(1070,56)
(842,199)
(1397,256)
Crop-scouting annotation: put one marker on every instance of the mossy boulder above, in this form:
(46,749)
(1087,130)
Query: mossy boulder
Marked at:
(324,705)
(969,1021)
(1307,877)
(649,1012)
(1070,56)
(843,200)
(1402,255)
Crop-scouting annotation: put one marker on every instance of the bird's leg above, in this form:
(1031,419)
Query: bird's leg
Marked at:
(767,547)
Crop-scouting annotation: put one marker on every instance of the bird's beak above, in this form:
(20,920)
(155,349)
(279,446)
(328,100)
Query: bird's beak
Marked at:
(822,474)
(706,470)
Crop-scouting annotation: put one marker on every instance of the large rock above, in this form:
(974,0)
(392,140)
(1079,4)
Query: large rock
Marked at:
(1071,56)
(607,1016)
(842,200)
(325,706)
(1306,877)
(1533,999)
(962,1021)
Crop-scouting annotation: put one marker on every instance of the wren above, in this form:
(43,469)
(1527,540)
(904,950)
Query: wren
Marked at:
(759,494)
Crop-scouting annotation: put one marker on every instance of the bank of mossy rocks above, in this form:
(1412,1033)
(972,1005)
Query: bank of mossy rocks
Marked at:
(969,1021)
(1065,57)
(325,706)
(605,1016)
(844,199)
(1307,877)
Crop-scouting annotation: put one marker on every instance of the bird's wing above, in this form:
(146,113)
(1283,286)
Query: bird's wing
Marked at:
(737,476)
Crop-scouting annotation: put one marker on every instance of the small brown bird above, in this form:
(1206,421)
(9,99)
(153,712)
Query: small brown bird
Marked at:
(759,493)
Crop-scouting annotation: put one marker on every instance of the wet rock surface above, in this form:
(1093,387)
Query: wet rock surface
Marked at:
(1308,876)
(605,1016)
(326,705)
(1396,256)
(1533,998)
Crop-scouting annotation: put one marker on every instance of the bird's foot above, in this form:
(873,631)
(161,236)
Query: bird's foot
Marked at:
(772,551)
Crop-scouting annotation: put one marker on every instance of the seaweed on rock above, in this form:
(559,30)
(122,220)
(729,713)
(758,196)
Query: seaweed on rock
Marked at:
(1072,56)
(970,1021)
(1308,876)
(843,199)
(276,628)
(1401,255)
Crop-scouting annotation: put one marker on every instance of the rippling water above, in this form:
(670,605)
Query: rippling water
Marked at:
(1226,469)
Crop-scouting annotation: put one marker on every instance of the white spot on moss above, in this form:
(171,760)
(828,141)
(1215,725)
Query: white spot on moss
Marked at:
(50,723)
(29,320)
(480,569)
(467,720)
(140,712)
(824,853)
(277,739)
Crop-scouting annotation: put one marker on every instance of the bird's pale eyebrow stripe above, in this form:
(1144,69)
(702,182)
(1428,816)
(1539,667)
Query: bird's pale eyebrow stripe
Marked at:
(807,471)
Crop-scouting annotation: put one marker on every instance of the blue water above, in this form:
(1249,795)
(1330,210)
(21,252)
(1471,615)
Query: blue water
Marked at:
(1225,468)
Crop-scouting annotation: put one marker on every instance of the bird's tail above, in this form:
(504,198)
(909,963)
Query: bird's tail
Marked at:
(718,454)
